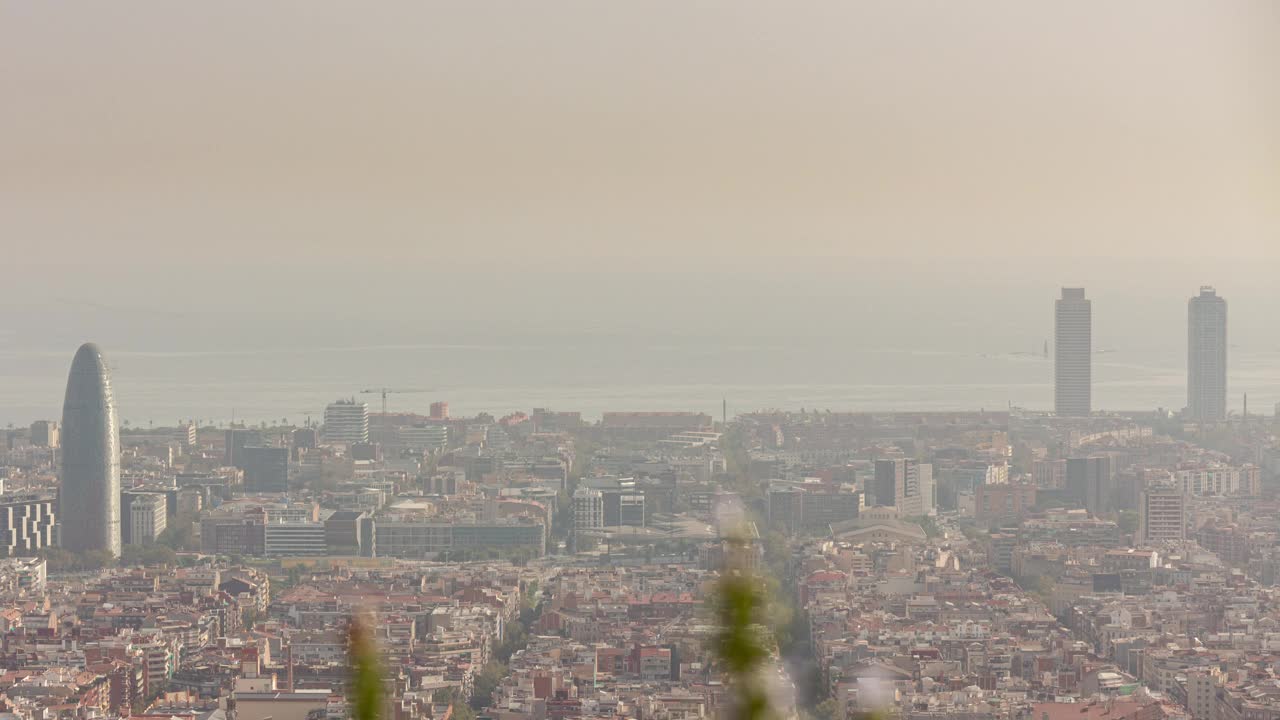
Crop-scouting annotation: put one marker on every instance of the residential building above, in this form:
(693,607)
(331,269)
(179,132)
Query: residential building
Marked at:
(1161,514)
(1007,501)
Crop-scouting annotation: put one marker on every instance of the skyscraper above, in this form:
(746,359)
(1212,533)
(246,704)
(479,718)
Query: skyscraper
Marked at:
(89,497)
(1072,353)
(1207,356)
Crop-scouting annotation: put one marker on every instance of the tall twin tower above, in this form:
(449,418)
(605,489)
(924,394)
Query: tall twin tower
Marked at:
(1206,355)
(89,498)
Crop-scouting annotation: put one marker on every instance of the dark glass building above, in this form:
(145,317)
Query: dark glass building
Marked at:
(89,498)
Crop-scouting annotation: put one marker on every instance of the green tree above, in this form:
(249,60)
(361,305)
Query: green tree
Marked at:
(148,556)
(366,676)
(488,680)
(1128,522)
(828,709)
(738,643)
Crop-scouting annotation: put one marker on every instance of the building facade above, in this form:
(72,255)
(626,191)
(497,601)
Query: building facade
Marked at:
(266,469)
(346,422)
(89,497)
(1207,357)
(26,524)
(1161,515)
(1073,354)
(147,515)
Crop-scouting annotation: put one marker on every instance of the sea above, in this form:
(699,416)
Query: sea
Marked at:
(274,346)
(593,376)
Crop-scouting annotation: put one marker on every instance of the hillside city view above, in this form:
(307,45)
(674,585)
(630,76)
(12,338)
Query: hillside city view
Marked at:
(569,360)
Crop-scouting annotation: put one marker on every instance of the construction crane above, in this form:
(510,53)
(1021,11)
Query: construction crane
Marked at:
(384,392)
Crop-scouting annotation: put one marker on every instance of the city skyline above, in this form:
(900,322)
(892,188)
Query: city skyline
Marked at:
(648,360)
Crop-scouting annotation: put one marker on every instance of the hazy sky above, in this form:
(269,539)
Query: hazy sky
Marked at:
(139,134)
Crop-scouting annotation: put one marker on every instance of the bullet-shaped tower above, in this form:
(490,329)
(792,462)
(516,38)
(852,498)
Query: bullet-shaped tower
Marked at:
(89,498)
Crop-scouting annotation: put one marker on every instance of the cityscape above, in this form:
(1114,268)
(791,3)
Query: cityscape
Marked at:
(581,360)
(999,564)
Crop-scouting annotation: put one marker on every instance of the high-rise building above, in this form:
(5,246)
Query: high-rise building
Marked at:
(89,497)
(1161,514)
(1207,357)
(346,422)
(906,485)
(1091,482)
(890,482)
(147,516)
(44,433)
(440,410)
(1073,354)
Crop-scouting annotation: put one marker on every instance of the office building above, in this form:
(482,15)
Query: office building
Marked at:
(809,508)
(1073,354)
(890,482)
(295,539)
(342,532)
(89,497)
(440,410)
(44,433)
(346,422)
(1207,357)
(902,484)
(623,507)
(26,524)
(233,534)
(1091,483)
(266,469)
(1050,474)
(126,513)
(430,540)
(432,438)
(147,515)
(1161,515)
(588,508)
(234,442)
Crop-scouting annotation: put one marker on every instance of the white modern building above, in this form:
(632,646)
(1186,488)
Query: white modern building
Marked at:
(429,437)
(147,517)
(347,422)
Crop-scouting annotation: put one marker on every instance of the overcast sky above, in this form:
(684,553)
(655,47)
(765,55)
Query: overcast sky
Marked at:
(141,134)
